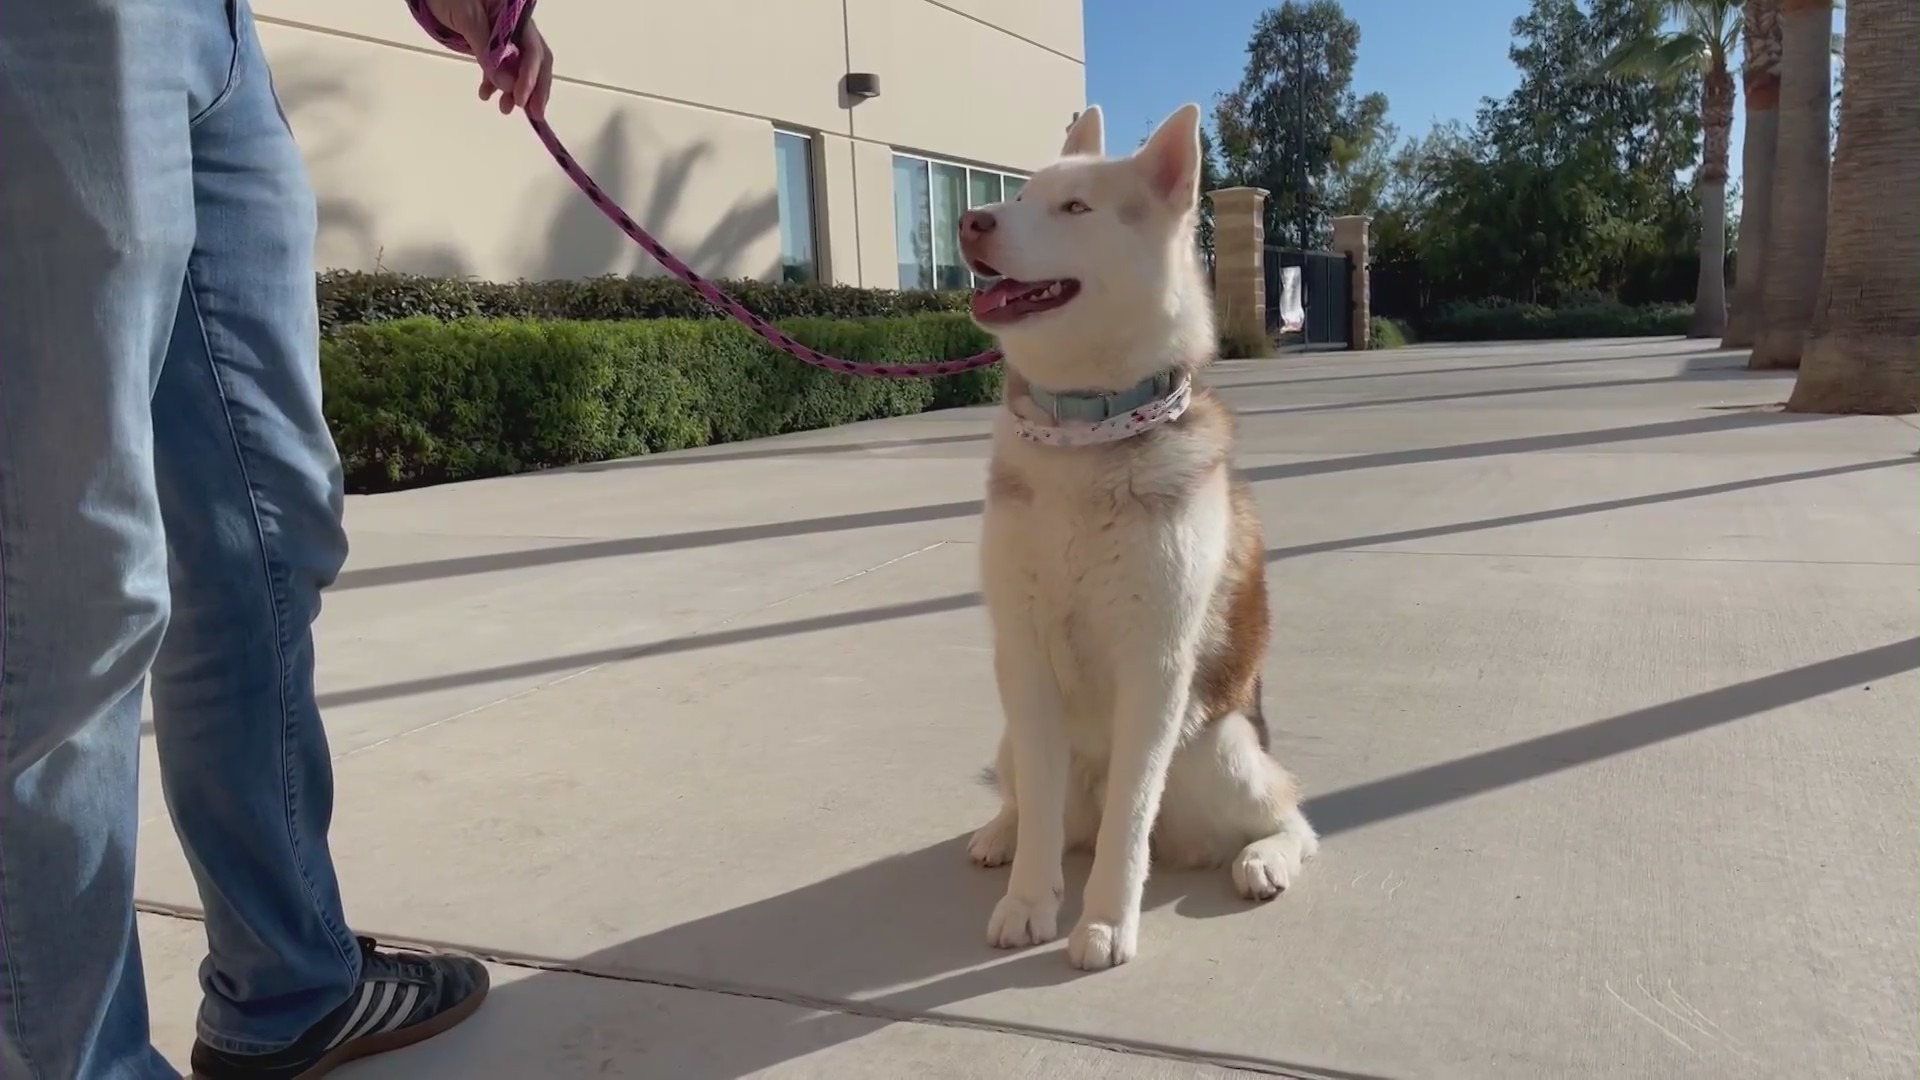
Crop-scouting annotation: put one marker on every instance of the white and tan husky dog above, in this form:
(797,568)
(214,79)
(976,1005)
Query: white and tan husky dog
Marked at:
(1123,563)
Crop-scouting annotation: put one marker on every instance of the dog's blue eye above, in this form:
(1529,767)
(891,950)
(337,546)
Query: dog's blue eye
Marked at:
(1074,206)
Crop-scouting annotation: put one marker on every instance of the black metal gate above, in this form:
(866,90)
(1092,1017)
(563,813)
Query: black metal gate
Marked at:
(1326,285)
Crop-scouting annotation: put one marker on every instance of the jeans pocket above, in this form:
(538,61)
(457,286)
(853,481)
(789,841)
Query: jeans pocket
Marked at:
(235,13)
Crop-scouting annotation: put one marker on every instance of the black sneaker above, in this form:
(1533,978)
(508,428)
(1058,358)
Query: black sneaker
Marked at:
(404,998)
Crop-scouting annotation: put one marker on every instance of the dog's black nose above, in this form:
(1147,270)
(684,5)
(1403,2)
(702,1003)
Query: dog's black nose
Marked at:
(976,223)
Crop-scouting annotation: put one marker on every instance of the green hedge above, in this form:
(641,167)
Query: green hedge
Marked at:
(422,401)
(354,297)
(1503,320)
(1388,333)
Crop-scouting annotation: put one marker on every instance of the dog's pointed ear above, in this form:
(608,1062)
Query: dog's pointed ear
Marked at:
(1087,137)
(1171,157)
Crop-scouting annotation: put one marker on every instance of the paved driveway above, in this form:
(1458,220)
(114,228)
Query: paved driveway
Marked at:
(1601,672)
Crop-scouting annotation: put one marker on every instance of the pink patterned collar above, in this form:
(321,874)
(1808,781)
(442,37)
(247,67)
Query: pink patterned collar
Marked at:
(1054,431)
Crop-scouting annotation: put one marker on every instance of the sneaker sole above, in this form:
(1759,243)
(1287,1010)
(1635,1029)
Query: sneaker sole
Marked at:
(372,1045)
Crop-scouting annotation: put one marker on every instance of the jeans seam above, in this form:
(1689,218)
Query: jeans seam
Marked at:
(16,993)
(275,591)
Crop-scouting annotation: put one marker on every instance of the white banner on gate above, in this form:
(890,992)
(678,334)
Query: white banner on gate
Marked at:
(1293,314)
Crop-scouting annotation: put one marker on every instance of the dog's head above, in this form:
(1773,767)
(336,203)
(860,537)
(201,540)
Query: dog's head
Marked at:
(1098,281)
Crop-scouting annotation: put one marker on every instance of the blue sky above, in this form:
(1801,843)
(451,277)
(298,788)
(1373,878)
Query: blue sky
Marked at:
(1433,60)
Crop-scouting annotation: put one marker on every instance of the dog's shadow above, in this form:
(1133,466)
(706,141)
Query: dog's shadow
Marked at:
(901,937)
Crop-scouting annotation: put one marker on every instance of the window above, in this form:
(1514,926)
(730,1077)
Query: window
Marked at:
(912,223)
(949,202)
(928,199)
(983,188)
(793,181)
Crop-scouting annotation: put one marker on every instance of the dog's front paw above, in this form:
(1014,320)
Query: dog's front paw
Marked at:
(1265,868)
(1020,921)
(1097,946)
(993,844)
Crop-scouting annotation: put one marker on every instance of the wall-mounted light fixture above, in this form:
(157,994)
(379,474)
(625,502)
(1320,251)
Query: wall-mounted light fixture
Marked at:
(862,84)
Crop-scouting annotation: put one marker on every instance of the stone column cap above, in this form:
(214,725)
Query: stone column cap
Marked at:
(1262,192)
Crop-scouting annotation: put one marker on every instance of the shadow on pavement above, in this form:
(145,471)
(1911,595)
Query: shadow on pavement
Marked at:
(1474,395)
(461,566)
(1526,444)
(1578,510)
(662,461)
(1409,365)
(1477,774)
(622,653)
(958,601)
(900,939)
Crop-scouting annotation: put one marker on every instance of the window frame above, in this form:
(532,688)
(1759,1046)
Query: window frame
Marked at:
(813,198)
(927,162)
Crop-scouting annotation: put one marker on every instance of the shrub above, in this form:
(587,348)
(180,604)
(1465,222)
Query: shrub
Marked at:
(1388,333)
(422,401)
(348,296)
(1244,345)
(1499,319)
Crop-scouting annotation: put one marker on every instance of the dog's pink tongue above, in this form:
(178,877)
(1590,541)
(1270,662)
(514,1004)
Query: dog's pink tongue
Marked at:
(996,296)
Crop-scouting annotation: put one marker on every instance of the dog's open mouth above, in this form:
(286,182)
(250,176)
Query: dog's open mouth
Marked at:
(1007,300)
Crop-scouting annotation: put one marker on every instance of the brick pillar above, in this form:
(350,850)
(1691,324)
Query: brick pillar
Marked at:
(1239,275)
(1350,239)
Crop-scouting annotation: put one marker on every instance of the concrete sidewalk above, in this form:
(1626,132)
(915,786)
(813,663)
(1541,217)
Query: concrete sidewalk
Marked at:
(1600,669)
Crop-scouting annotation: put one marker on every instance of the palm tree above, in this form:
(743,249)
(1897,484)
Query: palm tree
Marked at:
(1698,48)
(1796,241)
(1760,71)
(1863,349)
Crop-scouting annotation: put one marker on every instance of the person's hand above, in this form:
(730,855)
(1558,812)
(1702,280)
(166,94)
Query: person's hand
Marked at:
(527,85)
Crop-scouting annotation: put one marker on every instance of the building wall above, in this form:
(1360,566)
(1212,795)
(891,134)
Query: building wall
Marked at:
(672,106)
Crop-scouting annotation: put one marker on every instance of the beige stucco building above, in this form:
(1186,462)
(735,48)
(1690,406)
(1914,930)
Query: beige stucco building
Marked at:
(723,125)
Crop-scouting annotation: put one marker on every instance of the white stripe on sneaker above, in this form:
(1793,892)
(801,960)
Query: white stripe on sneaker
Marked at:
(377,1014)
(359,1012)
(400,1013)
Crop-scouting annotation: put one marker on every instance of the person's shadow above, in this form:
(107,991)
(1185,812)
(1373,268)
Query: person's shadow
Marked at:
(784,978)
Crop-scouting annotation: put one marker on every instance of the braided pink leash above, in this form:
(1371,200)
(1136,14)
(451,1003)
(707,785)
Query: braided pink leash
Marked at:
(503,53)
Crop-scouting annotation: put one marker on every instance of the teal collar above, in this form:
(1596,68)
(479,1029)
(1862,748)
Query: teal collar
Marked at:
(1093,407)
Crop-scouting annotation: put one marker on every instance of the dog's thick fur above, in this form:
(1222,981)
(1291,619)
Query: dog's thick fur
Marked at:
(1125,581)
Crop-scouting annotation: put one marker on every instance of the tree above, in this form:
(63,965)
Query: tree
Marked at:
(1417,175)
(1797,234)
(1569,184)
(1862,352)
(1558,115)
(1280,128)
(1363,160)
(1209,181)
(1760,72)
(1696,51)
(1567,189)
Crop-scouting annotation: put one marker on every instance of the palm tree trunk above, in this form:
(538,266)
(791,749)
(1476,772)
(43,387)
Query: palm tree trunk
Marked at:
(1716,115)
(1761,73)
(1797,235)
(1863,351)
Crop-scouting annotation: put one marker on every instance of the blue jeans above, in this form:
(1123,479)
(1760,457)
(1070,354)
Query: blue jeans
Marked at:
(169,504)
